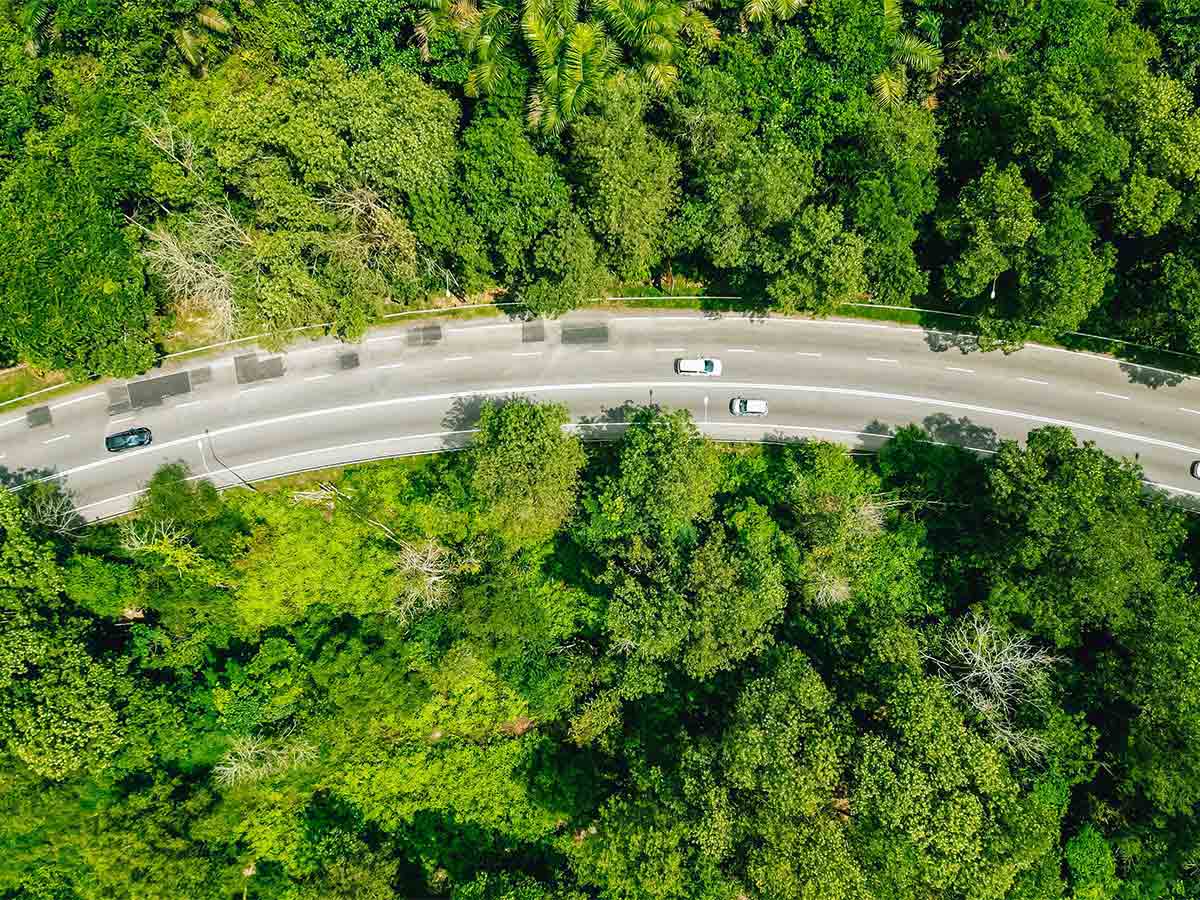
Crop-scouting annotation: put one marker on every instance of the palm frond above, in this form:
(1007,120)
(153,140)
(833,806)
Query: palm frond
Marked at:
(701,28)
(189,46)
(893,15)
(662,76)
(890,86)
(212,19)
(757,10)
(916,53)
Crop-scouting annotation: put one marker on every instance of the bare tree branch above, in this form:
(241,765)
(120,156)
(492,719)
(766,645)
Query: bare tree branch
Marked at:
(996,674)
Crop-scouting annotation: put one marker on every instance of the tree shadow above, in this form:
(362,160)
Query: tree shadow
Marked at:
(14,478)
(961,432)
(877,427)
(941,341)
(614,415)
(464,412)
(1150,376)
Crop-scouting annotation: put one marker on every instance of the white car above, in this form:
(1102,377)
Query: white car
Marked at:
(745,406)
(700,366)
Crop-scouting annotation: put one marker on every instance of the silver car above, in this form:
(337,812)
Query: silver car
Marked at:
(746,406)
(701,365)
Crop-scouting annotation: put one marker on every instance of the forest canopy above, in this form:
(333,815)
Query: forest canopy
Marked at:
(685,671)
(250,166)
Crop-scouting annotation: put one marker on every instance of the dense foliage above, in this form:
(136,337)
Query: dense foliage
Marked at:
(244,166)
(655,669)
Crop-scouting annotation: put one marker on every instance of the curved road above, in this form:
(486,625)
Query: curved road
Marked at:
(418,388)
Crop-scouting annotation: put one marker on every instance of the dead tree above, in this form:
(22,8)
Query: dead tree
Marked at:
(996,675)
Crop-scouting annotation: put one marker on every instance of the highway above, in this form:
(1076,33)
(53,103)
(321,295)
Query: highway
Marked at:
(250,414)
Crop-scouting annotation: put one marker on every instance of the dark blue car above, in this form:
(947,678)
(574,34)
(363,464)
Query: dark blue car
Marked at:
(127,440)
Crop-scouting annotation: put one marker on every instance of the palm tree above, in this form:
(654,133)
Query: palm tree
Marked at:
(485,33)
(572,58)
(36,19)
(909,52)
(764,10)
(650,28)
(191,45)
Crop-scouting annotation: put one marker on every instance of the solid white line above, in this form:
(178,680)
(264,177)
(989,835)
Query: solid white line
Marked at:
(738,350)
(1194,412)
(664,319)
(186,403)
(805,353)
(483,327)
(1173,489)
(12,421)
(602,351)
(122,419)
(319,377)
(117,497)
(669,349)
(75,400)
(626,385)
(1114,396)
(1110,359)
(529,353)
(455,358)
(1031,380)
(882,359)
(381,339)
(203,457)
(390,366)
(960,369)
(255,387)
(61,437)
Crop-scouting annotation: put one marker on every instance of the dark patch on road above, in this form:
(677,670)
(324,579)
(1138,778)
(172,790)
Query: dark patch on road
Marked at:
(424,335)
(152,391)
(347,361)
(118,400)
(585,334)
(533,332)
(250,368)
(38,417)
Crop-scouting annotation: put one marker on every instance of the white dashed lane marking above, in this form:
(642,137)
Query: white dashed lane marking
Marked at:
(960,369)
(61,437)
(1113,396)
(883,359)
(1032,380)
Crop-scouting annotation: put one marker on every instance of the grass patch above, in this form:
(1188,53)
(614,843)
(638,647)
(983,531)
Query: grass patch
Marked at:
(20,382)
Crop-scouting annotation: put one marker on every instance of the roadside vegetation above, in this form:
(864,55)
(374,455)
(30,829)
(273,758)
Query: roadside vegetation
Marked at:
(657,668)
(178,167)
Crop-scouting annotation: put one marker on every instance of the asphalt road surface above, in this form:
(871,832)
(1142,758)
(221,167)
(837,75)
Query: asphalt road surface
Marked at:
(251,414)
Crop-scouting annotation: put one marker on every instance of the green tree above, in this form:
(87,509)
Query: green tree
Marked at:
(628,180)
(526,470)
